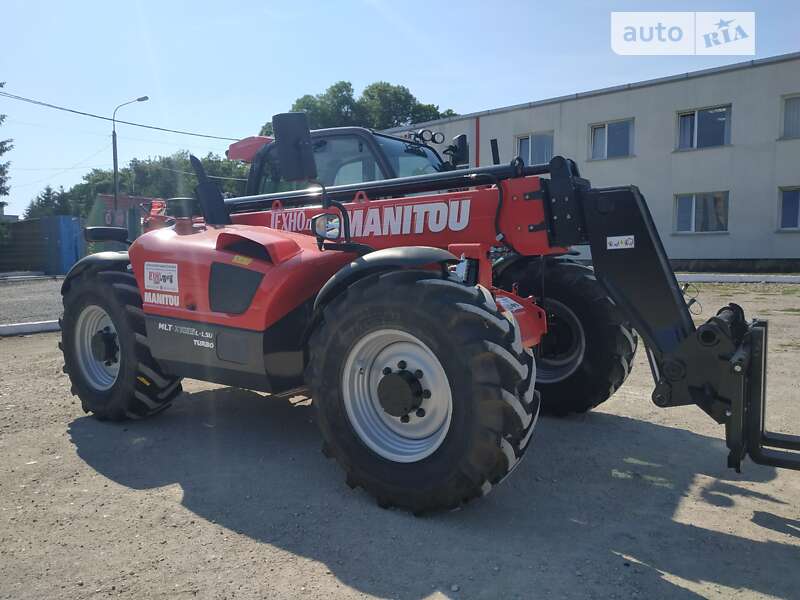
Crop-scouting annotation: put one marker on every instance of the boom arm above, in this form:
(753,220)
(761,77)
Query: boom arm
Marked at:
(720,365)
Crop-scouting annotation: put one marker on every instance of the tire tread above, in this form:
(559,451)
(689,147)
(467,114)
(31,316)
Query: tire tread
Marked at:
(134,399)
(503,377)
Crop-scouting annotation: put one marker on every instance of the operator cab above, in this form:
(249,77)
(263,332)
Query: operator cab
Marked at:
(347,155)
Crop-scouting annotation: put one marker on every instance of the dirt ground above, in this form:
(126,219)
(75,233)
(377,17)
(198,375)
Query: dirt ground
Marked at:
(227,495)
(25,301)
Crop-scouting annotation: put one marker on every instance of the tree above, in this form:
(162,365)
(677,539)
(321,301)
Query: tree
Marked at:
(63,205)
(337,107)
(44,205)
(266,129)
(385,105)
(5,146)
(160,177)
(381,105)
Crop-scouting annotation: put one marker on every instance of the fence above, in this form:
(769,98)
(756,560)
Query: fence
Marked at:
(50,244)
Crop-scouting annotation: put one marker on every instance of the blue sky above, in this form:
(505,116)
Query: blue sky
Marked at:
(225,67)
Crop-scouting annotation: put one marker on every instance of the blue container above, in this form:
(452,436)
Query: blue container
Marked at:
(64,243)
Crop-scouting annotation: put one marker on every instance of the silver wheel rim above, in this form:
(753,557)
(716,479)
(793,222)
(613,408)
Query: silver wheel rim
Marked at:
(390,436)
(555,368)
(100,374)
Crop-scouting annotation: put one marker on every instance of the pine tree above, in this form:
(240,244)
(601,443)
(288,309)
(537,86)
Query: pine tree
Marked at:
(63,205)
(43,205)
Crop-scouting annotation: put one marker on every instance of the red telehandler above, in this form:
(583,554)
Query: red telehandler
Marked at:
(413,309)
(588,352)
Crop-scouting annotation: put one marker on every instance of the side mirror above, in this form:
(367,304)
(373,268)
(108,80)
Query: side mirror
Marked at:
(293,141)
(106,234)
(327,226)
(458,150)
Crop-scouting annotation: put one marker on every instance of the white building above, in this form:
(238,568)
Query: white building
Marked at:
(716,154)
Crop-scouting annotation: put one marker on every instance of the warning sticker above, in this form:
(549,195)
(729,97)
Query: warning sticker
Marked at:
(508,303)
(620,242)
(162,277)
(241,260)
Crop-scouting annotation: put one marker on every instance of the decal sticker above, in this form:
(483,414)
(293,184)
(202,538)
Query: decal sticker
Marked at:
(619,242)
(162,299)
(162,277)
(402,219)
(509,303)
(423,217)
(200,337)
(289,220)
(241,260)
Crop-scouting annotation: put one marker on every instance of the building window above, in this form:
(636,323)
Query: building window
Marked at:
(698,213)
(612,140)
(536,148)
(791,117)
(704,128)
(790,208)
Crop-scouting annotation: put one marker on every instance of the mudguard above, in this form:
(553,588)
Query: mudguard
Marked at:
(105,260)
(380,260)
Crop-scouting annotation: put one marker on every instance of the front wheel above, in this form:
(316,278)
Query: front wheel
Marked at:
(423,392)
(588,350)
(106,352)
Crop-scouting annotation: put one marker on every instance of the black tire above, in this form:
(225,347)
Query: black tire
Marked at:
(609,340)
(491,382)
(141,388)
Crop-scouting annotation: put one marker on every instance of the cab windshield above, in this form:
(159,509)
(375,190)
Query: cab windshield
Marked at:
(409,158)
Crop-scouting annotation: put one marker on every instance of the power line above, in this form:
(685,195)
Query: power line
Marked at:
(105,167)
(169,142)
(94,116)
(58,168)
(75,166)
(193,175)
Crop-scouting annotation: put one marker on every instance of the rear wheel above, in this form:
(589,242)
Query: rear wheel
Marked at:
(106,354)
(423,392)
(588,350)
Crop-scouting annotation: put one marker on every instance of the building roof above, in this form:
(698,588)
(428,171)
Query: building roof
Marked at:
(612,89)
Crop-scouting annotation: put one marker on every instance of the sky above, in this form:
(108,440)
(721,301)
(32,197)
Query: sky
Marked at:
(224,68)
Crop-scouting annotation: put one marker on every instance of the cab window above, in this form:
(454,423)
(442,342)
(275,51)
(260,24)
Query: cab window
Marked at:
(343,159)
(409,158)
(340,159)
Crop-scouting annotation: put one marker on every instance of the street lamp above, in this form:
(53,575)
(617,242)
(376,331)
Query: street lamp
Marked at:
(114,143)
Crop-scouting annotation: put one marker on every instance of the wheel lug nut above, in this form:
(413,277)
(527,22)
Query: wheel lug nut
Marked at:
(401,365)
(418,374)
(420,412)
(426,393)
(387,370)
(404,419)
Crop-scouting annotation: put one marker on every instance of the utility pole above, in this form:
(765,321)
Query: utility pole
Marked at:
(114,144)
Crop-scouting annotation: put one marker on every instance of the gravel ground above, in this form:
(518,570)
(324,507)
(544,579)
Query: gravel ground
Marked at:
(24,301)
(227,495)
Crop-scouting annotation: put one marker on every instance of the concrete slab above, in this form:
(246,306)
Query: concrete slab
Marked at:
(737,278)
(28,328)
